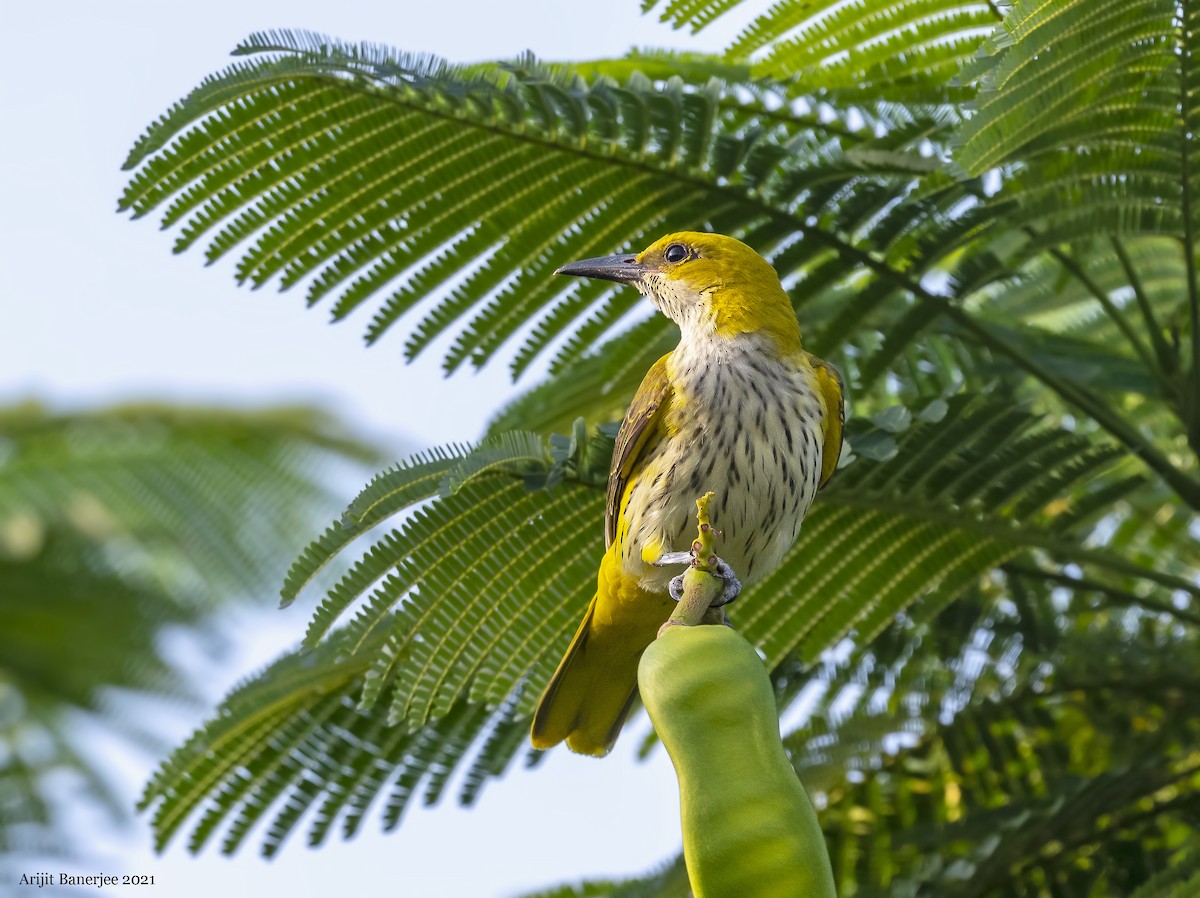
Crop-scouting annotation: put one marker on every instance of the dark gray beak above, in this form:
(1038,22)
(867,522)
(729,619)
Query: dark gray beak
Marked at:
(623,269)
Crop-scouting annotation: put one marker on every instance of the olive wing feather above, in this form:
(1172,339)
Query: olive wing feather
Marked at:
(829,385)
(634,438)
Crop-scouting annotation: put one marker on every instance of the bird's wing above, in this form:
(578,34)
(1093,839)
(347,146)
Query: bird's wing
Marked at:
(829,383)
(633,439)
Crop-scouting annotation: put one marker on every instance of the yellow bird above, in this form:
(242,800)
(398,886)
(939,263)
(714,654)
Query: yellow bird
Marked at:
(739,408)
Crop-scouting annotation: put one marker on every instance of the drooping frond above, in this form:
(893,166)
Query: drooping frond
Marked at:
(292,742)
(182,487)
(405,178)
(454,192)
(113,526)
(483,577)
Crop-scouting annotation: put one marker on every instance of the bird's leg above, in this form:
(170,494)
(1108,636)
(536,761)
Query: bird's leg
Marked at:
(702,560)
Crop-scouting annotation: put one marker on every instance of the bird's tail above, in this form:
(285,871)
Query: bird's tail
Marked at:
(590,694)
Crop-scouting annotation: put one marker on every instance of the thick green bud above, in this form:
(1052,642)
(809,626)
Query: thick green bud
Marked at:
(749,830)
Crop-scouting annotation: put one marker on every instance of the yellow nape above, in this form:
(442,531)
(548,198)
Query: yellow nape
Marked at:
(739,288)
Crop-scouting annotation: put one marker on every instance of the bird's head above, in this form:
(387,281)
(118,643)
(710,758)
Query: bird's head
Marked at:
(708,283)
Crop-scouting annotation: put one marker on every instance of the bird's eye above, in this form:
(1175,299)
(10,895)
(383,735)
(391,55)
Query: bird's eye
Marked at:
(676,252)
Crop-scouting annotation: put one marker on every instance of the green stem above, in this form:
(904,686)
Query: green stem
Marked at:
(1019,536)
(1192,407)
(1122,323)
(1167,359)
(700,590)
(1187,487)
(1118,595)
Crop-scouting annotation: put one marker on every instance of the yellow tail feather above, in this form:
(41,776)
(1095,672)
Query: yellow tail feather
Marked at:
(590,694)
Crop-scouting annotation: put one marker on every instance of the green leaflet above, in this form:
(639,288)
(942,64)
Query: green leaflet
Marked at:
(390,491)
(1093,103)
(1179,881)
(668,881)
(898,49)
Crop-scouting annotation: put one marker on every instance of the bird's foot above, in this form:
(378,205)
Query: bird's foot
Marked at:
(718,568)
(707,585)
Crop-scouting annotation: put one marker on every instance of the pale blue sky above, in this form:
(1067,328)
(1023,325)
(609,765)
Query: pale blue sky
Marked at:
(97,309)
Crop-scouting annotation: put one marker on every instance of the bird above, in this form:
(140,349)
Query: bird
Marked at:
(738,408)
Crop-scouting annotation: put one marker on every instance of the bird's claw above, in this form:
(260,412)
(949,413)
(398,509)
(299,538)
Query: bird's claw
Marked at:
(669,558)
(722,571)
